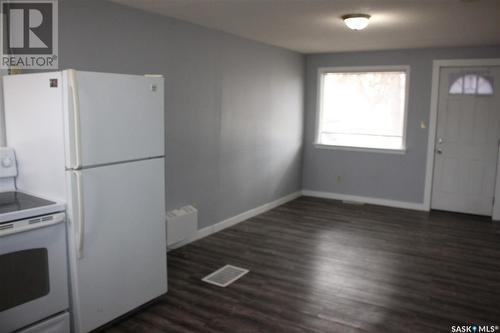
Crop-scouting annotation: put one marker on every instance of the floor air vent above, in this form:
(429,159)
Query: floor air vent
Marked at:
(226,275)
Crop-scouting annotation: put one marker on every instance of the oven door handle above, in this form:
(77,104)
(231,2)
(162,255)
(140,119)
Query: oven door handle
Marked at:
(80,231)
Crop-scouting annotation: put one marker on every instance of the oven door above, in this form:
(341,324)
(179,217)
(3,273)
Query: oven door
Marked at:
(33,271)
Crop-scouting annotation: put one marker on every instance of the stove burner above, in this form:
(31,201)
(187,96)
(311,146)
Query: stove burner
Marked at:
(16,201)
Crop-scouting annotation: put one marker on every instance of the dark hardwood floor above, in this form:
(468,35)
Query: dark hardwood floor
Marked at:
(322,266)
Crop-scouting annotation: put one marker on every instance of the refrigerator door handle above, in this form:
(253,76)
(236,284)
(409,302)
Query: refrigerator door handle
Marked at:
(80,236)
(76,118)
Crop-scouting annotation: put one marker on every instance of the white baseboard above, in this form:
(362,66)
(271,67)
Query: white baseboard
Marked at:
(367,200)
(236,219)
(278,202)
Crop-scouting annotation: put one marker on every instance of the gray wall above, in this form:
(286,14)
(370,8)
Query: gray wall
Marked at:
(234,107)
(378,175)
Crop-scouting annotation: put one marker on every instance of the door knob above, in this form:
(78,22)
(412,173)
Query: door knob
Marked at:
(439,151)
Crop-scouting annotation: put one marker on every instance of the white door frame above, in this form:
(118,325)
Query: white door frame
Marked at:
(431,142)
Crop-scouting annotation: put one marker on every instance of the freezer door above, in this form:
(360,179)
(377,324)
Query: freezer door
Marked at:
(120,212)
(112,118)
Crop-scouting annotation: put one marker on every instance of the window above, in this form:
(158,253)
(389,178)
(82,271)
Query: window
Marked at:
(471,84)
(363,109)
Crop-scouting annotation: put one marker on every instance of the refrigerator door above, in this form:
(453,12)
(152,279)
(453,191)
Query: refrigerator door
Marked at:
(117,223)
(112,118)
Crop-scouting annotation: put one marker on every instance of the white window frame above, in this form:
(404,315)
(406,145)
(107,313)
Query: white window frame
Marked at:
(320,78)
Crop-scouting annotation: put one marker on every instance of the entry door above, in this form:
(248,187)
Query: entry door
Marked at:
(467,140)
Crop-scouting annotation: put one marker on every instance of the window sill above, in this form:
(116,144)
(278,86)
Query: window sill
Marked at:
(359,149)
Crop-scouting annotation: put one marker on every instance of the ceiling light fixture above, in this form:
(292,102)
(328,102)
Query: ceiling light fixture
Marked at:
(356,21)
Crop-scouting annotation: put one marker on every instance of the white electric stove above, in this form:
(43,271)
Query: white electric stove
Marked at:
(33,259)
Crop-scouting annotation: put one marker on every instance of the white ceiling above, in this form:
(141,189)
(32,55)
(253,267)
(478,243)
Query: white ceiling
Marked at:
(312,26)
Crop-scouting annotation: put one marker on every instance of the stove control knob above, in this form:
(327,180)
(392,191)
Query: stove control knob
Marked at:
(7,162)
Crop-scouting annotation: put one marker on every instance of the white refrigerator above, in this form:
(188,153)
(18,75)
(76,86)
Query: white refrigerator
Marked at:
(96,142)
